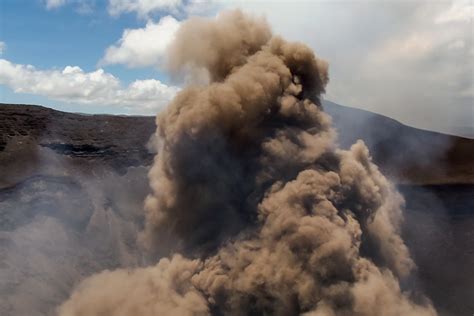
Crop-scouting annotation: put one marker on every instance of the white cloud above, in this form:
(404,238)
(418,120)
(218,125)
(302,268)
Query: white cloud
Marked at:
(143,47)
(407,47)
(72,84)
(3,46)
(146,8)
(85,7)
(460,11)
(459,44)
(142,7)
(53,4)
(202,7)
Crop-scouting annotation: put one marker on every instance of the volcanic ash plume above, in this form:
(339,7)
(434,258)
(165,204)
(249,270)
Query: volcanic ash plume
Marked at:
(278,221)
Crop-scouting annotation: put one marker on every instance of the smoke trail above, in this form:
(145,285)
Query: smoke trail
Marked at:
(249,178)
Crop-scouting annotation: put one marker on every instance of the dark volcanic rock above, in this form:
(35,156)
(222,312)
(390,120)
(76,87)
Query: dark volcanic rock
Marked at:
(71,194)
(404,153)
(439,230)
(28,133)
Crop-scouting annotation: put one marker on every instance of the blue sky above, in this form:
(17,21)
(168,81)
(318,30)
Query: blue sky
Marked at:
(67,35)
(412,61)
(62,36)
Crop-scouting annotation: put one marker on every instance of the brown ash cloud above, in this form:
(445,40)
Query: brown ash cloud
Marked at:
(271,217)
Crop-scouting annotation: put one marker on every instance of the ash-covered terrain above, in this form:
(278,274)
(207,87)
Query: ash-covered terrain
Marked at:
(72,188)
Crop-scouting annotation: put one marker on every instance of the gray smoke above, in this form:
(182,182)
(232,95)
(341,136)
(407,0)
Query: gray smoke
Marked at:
(275,218)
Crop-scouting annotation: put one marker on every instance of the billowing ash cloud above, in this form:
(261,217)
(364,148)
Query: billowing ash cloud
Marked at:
(248,177)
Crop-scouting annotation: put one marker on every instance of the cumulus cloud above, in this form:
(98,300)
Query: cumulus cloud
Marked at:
(142,7)
(147,8)
(427,66)
(460,11)
(144,46)
(52,4)
(72,84)
(83,7)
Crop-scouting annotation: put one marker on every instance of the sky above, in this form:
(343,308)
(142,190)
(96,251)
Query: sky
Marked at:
(409,60)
